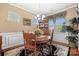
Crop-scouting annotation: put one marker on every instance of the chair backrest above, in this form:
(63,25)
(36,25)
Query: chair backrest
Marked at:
(28,38)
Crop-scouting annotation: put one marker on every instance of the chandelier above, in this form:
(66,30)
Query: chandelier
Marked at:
(39,16)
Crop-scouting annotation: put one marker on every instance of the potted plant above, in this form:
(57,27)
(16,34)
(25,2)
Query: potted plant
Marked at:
(72,41)
(39,32)
(72,38)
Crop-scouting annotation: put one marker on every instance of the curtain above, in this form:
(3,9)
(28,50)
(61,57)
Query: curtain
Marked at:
(57,24)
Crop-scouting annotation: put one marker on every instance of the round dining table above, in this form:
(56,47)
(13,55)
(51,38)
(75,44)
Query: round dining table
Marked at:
(42,39)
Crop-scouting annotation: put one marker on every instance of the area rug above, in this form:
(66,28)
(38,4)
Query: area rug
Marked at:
(46,50)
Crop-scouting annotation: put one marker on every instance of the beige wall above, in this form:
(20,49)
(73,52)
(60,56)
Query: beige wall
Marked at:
(10,26)
(71,13)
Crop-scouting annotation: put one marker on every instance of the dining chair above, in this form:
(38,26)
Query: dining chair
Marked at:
(29,41)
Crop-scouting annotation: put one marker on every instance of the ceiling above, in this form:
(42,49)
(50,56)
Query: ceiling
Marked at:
(44,8)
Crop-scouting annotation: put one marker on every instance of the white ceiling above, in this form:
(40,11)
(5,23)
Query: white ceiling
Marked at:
(44,8)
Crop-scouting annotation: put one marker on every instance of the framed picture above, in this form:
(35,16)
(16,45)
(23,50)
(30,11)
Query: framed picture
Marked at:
(26,22)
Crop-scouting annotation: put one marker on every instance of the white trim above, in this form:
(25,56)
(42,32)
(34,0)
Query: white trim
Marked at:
(14,4)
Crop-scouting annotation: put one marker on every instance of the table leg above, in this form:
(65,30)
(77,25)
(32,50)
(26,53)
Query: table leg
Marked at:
(2,53)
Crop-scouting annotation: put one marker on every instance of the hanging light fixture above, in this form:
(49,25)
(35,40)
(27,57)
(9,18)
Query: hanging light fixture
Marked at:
(39,16)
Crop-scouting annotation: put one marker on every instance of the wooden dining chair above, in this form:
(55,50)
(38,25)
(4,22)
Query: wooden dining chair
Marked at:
(29,41)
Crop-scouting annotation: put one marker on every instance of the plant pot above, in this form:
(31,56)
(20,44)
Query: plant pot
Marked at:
(72,44)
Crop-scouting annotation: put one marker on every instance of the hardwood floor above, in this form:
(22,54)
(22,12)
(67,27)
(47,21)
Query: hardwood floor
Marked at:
(72,51)
(13,52)
(10,49)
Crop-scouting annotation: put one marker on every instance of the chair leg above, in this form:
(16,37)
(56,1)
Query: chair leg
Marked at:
(2,53)
(25,52)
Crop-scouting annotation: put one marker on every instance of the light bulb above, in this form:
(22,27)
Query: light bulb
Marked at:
(35,17)
(38,15)
(43,16)
(39,18)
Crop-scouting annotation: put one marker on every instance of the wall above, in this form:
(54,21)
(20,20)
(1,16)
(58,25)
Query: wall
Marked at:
(9,26)
(71,13)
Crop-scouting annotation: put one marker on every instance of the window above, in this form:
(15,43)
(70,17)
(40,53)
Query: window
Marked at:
(57,24)
(60,21)
(13,16)
(51,23)
(34,22)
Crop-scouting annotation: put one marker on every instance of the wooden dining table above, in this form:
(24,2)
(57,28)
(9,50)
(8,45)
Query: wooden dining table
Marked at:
(42,39)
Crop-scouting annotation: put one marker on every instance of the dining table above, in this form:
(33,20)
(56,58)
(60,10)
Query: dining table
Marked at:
(42,39)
